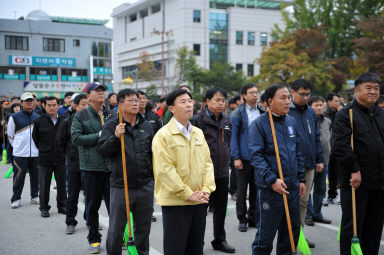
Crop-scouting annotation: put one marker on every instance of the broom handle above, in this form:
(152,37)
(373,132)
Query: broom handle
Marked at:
(353,189)
(125,174)
(293,248)
(3,118)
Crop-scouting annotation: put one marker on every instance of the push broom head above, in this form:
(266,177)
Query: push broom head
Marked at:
(302,245)
(355,246)
(4,159)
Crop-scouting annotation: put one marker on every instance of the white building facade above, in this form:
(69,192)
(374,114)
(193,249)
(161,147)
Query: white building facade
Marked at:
(233,31)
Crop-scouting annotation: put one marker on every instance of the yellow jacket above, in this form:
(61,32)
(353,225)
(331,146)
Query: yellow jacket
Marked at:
(180,166)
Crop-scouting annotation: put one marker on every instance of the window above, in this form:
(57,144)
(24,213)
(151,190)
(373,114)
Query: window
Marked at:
(218,37)
(196,49)
(76,43)
(239,67)
(155,8)
(250,70)
(16,42)
(12,73)
(263,39)
(144,13)
(239,37)
(196,16)
(251,38)
(42,74)
(133,17)
(133,39)
(52,44)
(74,75)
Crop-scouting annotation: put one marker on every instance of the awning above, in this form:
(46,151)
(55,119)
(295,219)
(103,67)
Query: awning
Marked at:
(39,94)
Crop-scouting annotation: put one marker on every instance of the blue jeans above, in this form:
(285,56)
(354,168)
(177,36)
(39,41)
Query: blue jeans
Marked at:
(319,190)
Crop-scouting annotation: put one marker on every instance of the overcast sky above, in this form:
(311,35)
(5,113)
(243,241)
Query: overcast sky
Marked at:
(92,9)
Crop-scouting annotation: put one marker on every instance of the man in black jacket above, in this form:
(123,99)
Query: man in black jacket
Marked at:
(138,137)
(361,167)
(217,132)
(64,143)
(152,117)
(50,159)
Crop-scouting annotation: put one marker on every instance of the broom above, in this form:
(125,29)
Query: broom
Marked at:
(4,159)
(128,235)
(293,247)
(355,243)
(8,173)
(302,245)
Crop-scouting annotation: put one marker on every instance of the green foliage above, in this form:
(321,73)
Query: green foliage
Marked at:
(151,91)
(147,70)
(185,66)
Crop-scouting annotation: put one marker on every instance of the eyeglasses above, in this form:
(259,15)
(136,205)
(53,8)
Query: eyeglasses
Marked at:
(133,101)
(304,94)
(253,93)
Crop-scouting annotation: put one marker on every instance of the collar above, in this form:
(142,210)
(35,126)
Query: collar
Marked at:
(363,108)
(278,117)
(299,107)
(213,116)
(181,127)
(247,107)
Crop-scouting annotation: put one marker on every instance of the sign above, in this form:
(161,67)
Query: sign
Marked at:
(102,71)
(41,61)
(11,77)
(54,86)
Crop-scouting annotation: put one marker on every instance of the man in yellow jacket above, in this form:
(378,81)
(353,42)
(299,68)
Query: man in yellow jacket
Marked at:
(184,178)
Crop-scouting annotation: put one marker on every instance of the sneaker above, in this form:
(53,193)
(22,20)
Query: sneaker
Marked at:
(337,201)
(94,248)
(154,219)
(234,197)
(325,202)
(35,201)
(15,204)
(70,230)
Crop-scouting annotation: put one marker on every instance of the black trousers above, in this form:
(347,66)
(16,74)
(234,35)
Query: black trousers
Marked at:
(22,165)
(332,177)
(141,206)
(96,186)
(45,176)
(369,219)
(184,229)
(245,177)
(233,179)
(220,200)
(74,186)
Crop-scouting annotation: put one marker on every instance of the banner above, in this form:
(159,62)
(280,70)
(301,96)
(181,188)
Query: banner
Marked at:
(41,61)
(54,86)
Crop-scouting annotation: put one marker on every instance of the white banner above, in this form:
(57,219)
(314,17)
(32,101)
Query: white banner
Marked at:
(52,86)
(21,60)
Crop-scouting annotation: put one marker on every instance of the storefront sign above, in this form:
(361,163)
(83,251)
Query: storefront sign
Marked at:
(20,60)
(54,86)
(42,61)
(102,71)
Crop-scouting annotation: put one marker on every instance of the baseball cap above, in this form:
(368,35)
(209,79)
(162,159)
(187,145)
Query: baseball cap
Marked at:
(26,96)
(74,96)
(95,85)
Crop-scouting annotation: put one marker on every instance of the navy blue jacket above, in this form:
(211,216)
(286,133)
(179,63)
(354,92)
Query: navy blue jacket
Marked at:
(239,139)
(262,151)
(309,131)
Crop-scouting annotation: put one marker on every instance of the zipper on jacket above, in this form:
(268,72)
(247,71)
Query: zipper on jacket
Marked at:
(30,137)
(286,146)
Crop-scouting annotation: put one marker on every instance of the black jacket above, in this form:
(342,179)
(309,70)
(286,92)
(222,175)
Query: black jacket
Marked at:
(368,138)
(218,136)
(154,119)
(64,141)
(45,138)
(138,153)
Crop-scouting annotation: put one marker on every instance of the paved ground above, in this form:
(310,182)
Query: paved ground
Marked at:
(24,232)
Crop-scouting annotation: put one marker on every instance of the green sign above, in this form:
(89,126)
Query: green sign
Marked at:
(11,77)
(102,71)
(41,77)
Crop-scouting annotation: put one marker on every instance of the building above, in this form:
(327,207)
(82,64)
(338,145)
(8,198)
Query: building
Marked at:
(49,55)
(234,31)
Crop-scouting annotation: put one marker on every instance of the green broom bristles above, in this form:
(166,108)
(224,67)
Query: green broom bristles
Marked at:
(130,242)
(355,246)
(4,159)
(338,234)
(8,173)
(302,246)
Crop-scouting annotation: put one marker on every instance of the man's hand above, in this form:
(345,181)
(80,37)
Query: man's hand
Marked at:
(238,164)
(279,187)
(302,189)
(200,197)
(356,179)
(120,130)
(2,122)
(319,167)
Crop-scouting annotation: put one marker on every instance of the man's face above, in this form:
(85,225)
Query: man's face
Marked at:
(182,108)
(67,100)
(318,106)
(240,101)
(143,101)
(27,105)
(83,104)
(113,100)
(367,93)
(97,96)
(251,96)
(281,102)
(334,103)
(301,96)
(216,104)
(130,105)
(233,106)
(16,109)
(51,107)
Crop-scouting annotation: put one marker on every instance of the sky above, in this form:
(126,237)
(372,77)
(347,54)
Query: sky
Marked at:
(92,9)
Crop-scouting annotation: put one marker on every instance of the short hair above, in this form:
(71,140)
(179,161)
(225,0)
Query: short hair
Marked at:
(111,94)
(350,97)
(174,94)
(247,86)
(125,93)
(262,97)
(381,99)
(329,96)
(271,91)
(184,86)
(51,98)
(13,98)
(237,97)
(231,101)
(212,91)
(367,77)
(78,98)
(15,105)
(301,83)
(34,96)
(43,99)
(70,93)
(149,106)
(162,99)
(313,99)
(140,92)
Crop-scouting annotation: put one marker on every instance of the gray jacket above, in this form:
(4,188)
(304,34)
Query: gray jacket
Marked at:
(325,136)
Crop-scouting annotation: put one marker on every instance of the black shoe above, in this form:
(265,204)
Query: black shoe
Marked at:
(251,224)
(211,209)
(310,244)
(154,219)
(243,227)
(322,220)
(45,214)
(222,246)
(309,222)
(62,211)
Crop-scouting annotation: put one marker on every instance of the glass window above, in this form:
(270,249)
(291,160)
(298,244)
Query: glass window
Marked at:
(221,4)
(42,74)
(239,37)
(196,16)
(133,17)
(144,13)
(251,3)
(94,49)
(53,44)
(239,67)
(12,73)
(16,42)
(196,49)
(76,42)
(251,38)
(218,37)
(250,69)
(155,8)
(74,75)
(263,39)
(240,3)
(101,49)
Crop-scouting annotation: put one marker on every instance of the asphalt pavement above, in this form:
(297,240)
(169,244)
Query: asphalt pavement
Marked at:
(24,232)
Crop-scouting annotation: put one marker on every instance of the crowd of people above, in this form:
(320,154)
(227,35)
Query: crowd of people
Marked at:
(188,156)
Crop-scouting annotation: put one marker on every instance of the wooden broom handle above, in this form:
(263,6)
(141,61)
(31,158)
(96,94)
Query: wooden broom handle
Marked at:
(125,174)
(353,189)
(293,247)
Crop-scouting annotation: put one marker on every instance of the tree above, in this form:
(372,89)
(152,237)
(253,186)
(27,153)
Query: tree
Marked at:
(185,66)
(147,70)
(151,92)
